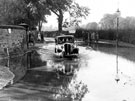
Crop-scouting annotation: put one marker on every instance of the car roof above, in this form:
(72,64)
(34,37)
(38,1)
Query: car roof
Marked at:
(64,36)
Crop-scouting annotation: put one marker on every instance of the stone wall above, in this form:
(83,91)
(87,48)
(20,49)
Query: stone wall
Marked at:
(12,39)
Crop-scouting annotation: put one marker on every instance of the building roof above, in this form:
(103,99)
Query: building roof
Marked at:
(64,36)
(11,26)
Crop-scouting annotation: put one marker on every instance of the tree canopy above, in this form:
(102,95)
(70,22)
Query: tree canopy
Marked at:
(58,7)
(109,21)
(33,12)
(92,26)
(30,12)
(11,12)
(76,13)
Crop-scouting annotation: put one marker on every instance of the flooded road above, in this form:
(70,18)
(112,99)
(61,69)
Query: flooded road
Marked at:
(100,75)
(12,69)
(94,78)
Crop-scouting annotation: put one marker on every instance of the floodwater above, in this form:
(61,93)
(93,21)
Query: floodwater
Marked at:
(101,76)
(12,69)
(93,76)
(105,81)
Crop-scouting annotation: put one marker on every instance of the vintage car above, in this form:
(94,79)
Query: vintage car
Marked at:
(65,46)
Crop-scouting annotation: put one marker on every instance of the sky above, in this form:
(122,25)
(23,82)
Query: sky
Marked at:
(98,8)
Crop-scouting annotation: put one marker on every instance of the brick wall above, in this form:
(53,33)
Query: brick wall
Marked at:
(14,41)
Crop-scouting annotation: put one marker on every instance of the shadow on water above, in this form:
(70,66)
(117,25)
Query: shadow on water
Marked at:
(13,69)
(124,50)
(106,75)
(43,80)
(18,66)
(35,59)
(44,85)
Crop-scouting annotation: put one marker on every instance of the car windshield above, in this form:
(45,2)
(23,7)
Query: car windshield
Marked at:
(62,40)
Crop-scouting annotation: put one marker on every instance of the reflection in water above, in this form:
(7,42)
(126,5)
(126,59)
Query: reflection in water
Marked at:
(74,89)
(68,67)
(18,66)
(12,69)
(61,86)
(6,76)
(93,70)
(35,59)
(100,75)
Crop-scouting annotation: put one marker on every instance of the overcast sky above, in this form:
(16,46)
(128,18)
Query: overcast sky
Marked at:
(100,7)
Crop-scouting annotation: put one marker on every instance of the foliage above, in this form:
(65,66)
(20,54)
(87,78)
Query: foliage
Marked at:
(58,7)
(22,11)
(37,11)
(108,21)
(92,26)
(33,12)
(108,28)
(126,26)
(76,90)
(127,23)
(11,11)
(76,12)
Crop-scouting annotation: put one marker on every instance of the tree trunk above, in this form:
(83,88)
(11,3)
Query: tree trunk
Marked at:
(40,26)
(60,20)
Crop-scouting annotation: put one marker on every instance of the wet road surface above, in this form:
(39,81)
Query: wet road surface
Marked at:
(93,71)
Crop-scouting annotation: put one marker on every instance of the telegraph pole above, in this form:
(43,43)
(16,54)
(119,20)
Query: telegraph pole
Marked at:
(117,39)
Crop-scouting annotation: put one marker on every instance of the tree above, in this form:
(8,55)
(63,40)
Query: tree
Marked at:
(11,11)
(76,13)
(127,23)
(15,12)
(108,21)
(126,27)
(38,9)
(92,26)
(58,7)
